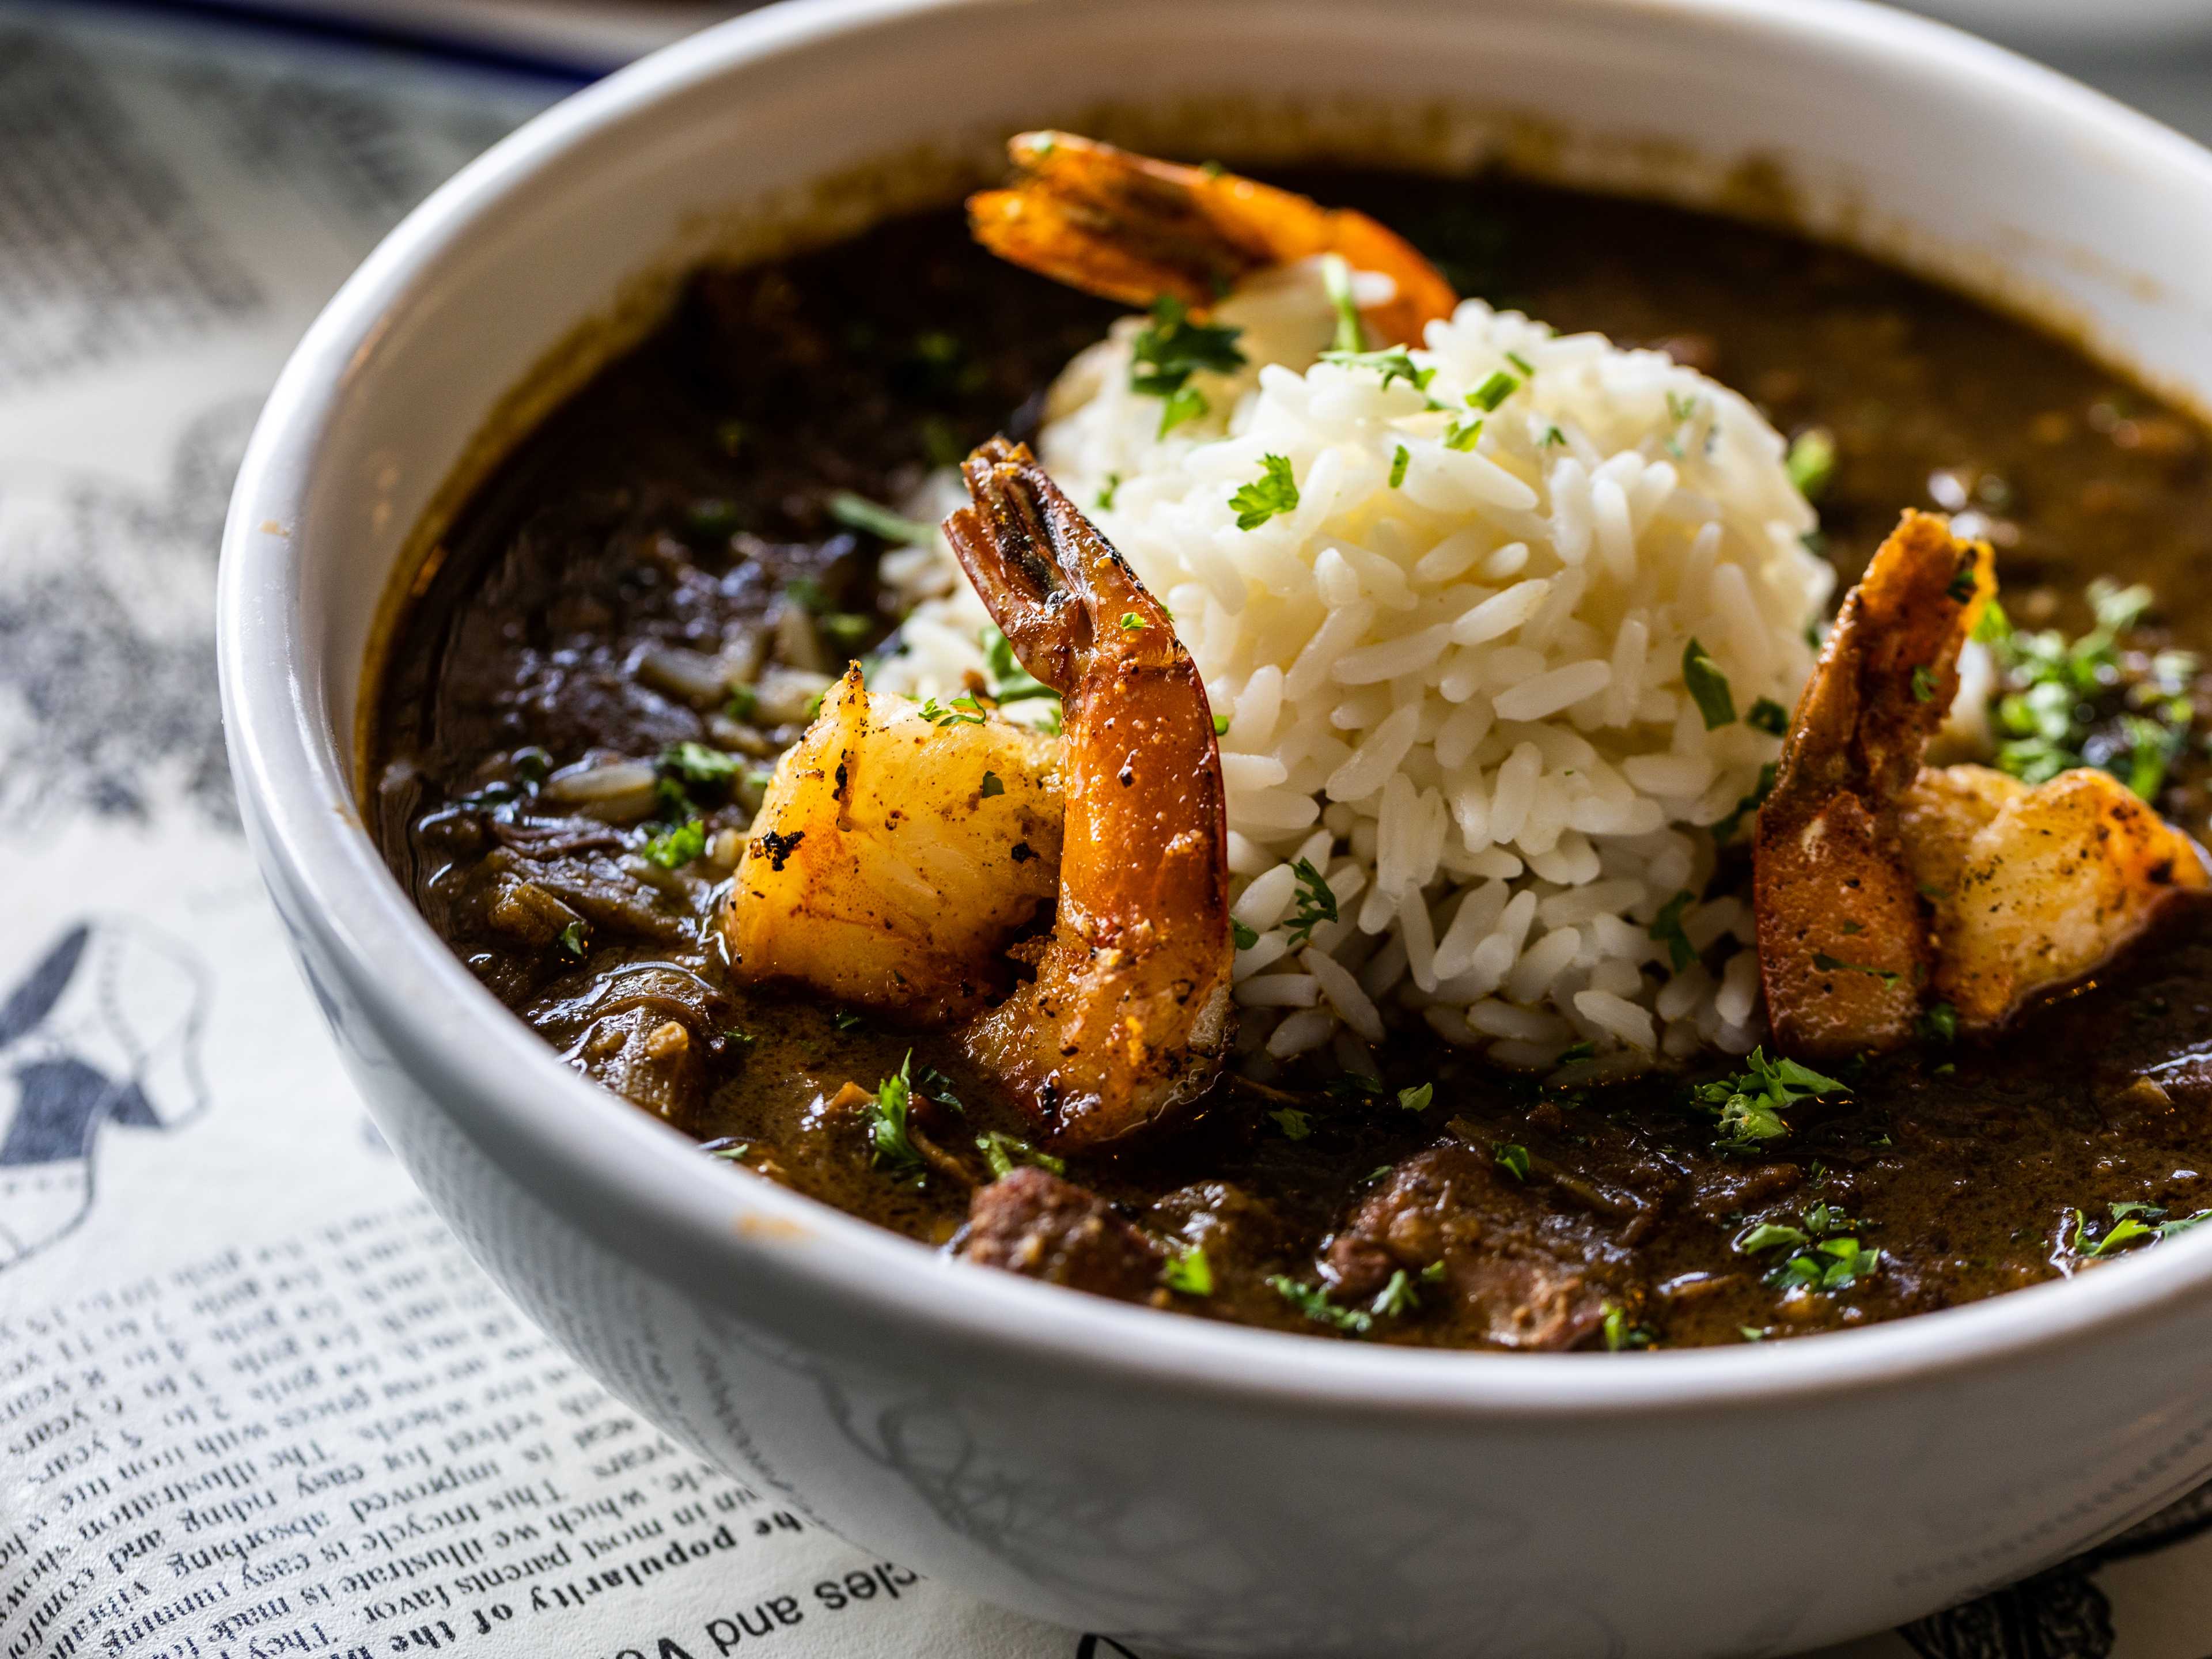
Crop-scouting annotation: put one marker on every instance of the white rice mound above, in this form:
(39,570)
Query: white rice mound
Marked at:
(1461,698)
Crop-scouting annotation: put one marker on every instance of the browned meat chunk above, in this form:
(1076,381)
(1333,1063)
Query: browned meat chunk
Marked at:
(1516,1274)
(1032,1222)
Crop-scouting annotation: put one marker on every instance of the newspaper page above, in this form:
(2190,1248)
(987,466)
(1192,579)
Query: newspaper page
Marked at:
(254,1400)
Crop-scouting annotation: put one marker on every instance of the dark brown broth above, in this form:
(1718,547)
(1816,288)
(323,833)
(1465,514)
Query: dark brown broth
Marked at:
(670,501)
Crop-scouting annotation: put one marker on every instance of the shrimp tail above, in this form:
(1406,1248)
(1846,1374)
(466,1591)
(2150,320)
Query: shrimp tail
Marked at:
(1132,230)
(1129,1014)
(1845,946)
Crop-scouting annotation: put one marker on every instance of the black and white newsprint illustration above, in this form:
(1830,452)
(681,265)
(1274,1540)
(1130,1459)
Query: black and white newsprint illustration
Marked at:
(195,1224)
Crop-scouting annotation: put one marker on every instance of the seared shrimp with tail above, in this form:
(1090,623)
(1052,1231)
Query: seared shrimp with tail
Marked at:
(1881,885)
(1128,1016)
(1127,227)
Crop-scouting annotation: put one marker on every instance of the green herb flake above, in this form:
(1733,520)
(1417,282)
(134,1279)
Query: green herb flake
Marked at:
(991,786)
(1171,348)
(1553,437)
(744,704)
(1245,938)
(1434,1273)
(1188,1273)
(1619,1334)
(1707,686)
(964,711)
(1294,1124)
(1492,392)
(1940,1024)
(1574,1051)
(1184,404)
(1768,716)
(1750,1333)
(892,1149)
(730,1151)
(1315,1304)
(1399,462)
(1106,494)
(859,512)
(1010,681)
(696,765)
(1514,1160)
(1528,369)
(1002,1151)
(1724,830)
(1923,683)
(1275,490)
(1397,1298)
(677,847)
(1667,929)
(1418,1097)
(1395,364)
(1771,1235)
(572,939)
(937,1087)
(846,1020)
(1749,1104)
(1317,904)
(1132,622)
(1462,435)
(1811,462)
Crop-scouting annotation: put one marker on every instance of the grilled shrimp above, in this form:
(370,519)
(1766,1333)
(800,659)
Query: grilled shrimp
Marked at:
(898,851)
(1129,1013)
(1881,884)
(1127,227)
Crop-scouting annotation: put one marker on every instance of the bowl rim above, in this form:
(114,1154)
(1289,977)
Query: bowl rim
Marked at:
(497,1082)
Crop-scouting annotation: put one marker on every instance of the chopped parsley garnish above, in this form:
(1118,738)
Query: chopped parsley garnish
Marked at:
(677,846)
(1188,1273)
(846,1020)
(1667,929)
(744,702)
(1492,392)
(700,767)
(1433,1273)
(1462,434)
(938,1087)
(1355,1086)
(1002,1151)
(1397,1297)
(1316,902)
(1294,1124)
(1245,938)
(965,711)
(1132,621)
(859,512)
(1707,686)
(991,786)
(1169,349)
(1418,1097)
(1619,1334)
(1724,830)
(1336,282)
(1940,1024)
(1276,491)
(1395,364)
(886,1121)
(1106,495)
(1831,1264)
(1750,1105)
(1399,462)
(1186,404)
(1923,683)
(1528,369)
(1553,436)
(1514,1160)
(1574,1051)
(572,939)
(1771,1236)
(1315,1304)
(2089,702)
(1827,964)
(1811,462)
(2132,1223)
(1962,584)
(1768,716)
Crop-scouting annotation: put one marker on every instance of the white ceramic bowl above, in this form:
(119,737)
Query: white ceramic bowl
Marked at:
(1207,1489)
